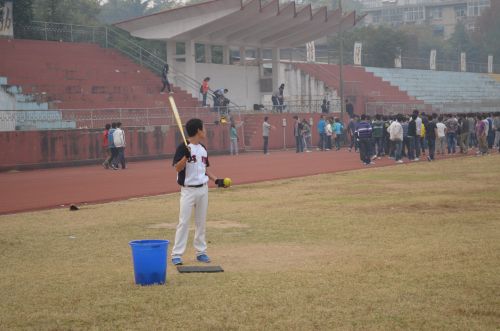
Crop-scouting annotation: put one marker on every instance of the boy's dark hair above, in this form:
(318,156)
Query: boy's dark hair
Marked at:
(119,124)
(415,111)
(296,117)
(193,125)
(378,117)
(363,117)
(113,125)
(107,126)
(266,118)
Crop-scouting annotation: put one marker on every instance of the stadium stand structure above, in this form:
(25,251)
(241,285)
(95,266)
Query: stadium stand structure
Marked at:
(360,85)
(35,115)
(83,76)
(443,87)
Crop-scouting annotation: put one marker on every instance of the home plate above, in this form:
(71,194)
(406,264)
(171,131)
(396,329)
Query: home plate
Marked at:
(194,268)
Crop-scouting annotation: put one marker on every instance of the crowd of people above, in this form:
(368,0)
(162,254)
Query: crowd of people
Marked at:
(113,143)
(419,135)
(400,136)
(330,132)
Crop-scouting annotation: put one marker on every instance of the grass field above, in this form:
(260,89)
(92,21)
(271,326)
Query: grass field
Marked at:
(408,247)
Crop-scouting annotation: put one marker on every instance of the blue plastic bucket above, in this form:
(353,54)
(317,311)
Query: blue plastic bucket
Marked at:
(150,261)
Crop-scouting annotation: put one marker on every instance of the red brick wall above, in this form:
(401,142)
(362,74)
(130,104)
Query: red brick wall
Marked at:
(39,149)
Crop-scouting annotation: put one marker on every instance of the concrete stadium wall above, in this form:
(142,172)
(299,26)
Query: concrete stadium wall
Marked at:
(55,148)
(58,148)
(244,86)
(242,81)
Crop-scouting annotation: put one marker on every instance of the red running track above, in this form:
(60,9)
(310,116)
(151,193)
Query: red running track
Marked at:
(50,188)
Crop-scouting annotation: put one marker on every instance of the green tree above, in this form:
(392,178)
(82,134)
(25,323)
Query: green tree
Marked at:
(159,5)
(489,32)
(120,10)
(421,40)
(380,45)
(22,14)
(66,11)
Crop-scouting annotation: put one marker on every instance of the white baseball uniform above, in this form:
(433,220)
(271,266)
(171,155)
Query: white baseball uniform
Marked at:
(194,193)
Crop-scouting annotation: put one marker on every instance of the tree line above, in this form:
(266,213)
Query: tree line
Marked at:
(382,44)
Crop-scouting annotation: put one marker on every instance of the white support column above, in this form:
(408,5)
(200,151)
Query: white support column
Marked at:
(243,56)
(225,54)
(171,50)
(190,64)
(208,53)
(298,81)
(276,68)
(258,54)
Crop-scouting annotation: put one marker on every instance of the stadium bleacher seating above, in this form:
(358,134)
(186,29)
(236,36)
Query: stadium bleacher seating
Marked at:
(438,87)
(35,115)
(356,80)
(82,76)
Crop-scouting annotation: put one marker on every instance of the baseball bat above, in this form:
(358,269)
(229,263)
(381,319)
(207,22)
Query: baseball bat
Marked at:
(177,118)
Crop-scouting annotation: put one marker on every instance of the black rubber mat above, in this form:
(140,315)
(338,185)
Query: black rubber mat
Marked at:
(194,268)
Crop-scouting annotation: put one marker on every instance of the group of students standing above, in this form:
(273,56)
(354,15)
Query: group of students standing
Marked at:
(411,136)
(113,143)
(330,132)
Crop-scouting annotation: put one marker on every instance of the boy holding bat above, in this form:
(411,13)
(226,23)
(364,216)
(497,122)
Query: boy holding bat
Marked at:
(191,163)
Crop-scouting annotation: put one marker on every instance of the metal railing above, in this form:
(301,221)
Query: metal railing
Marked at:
(12,120)
(301,105)
(393,108)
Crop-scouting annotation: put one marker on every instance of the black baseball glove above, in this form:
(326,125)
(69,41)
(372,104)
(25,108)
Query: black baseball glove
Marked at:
(219,182)
(186,151)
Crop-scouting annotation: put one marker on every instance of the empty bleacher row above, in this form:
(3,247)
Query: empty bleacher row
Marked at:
(441,87)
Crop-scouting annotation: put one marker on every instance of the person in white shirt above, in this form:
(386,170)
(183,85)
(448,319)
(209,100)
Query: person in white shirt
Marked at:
(395,131)
(265,134)
(440,136)
(418,145)
(191,163)
(119,142)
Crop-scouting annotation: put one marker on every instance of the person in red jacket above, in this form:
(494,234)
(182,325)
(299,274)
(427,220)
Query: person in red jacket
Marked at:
(106,150)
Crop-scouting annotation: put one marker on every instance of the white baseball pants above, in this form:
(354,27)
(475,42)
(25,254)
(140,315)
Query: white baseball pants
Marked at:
(196,197)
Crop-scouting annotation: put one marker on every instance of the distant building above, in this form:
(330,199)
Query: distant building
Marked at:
(442,15)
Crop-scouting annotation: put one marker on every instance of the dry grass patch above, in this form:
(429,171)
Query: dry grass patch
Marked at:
(407,247)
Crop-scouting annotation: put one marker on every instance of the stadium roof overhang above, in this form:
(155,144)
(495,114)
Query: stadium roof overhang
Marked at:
(241,23)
